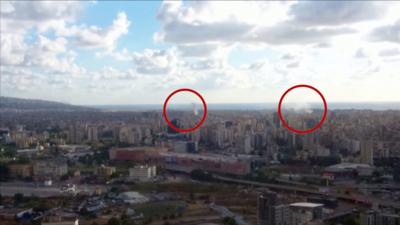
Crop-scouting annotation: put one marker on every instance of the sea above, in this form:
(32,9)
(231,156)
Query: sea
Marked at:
(378,106)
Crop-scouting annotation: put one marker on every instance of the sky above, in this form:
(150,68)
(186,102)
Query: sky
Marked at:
(134,52)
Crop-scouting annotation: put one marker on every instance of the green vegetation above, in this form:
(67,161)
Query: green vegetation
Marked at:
(125,220)
(325,160)
(8,151)
(38,204)
(145,187)
(114,221)
(229,221)
(18,199)
(161,209)
(4,172)
(201,175)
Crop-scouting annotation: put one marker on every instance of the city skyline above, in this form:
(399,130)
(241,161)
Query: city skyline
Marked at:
(98,53)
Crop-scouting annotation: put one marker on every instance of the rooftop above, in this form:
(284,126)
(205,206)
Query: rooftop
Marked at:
(306,204)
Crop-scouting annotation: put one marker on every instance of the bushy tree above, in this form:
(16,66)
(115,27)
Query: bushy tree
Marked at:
(114,221)
(18,198)
(229,221)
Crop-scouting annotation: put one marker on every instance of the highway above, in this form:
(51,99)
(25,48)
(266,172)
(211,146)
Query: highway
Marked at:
(354,198)
(30,189)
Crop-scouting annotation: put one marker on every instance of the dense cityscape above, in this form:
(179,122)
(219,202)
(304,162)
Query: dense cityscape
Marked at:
(240,167)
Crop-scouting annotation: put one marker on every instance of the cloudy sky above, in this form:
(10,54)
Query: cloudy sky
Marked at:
(230,52)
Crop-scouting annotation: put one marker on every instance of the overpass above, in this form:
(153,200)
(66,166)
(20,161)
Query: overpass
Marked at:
(362,200)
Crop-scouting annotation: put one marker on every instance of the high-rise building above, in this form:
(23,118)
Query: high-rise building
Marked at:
(276,120)
(125,135)
(92,133)
(177,124)
(75,134)
(367,153)
(266,213)
(247,144)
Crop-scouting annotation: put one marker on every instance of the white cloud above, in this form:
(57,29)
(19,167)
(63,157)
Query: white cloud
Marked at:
(96,37)
(18,16)
(389,52)
(360,53)
(156,61)
(110,73)
(333,13)
(388,33)
(240,22)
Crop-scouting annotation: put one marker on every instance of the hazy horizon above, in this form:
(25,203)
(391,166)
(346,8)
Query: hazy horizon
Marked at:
(254,106)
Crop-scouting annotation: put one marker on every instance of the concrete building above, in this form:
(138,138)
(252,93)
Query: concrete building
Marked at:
(185,146)
(303,212)
(49,169)
(92,133)
(266,208)
(183,162)
(367,153)
(142,172)
(20,170)
(282,214)
(270,212)
(105,171)
(368,218)
(375,217)
(345,171)
(75,134)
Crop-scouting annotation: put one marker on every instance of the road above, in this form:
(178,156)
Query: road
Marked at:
(355,198)
(29,189)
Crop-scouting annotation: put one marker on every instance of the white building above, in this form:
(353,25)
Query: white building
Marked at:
(132,197)
(303,212)
(142,172)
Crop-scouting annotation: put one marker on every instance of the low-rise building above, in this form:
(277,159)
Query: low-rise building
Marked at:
(20,170)
(132,197)
(376,217)
(49,169)
(302,212)
(105,171)
(142,172)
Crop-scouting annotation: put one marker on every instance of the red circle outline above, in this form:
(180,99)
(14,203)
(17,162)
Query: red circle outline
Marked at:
(311,129)
(192,128)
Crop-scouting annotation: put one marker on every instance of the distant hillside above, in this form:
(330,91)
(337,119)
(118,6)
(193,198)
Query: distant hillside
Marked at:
(12,104)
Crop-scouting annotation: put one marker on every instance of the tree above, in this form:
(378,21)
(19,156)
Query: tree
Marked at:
(18,198)
(125,220)
(350,221)
(229,221)
(114,221)
(201,175)
(4,172)
(148,220)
